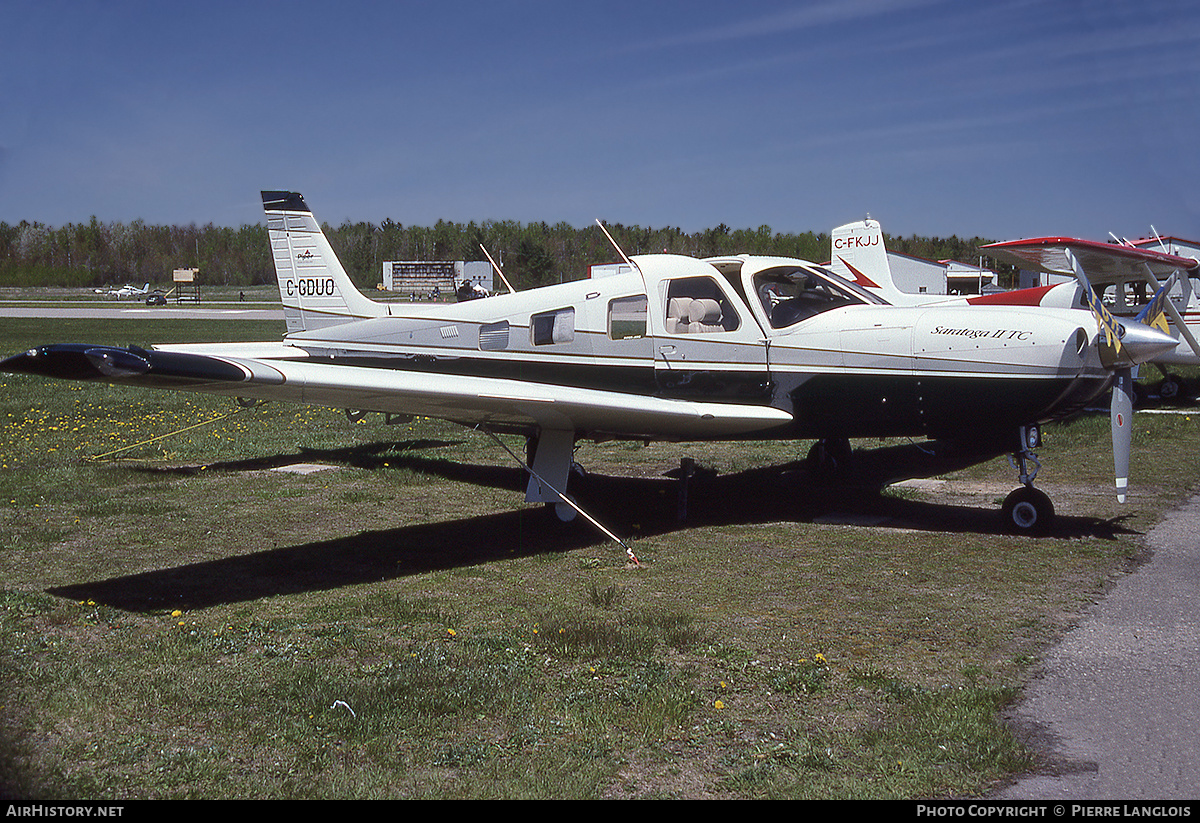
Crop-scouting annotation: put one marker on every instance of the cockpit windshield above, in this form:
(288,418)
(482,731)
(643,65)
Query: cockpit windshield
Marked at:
(790,294)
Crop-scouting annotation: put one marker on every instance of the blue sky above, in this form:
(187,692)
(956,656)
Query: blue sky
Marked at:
(1000,119)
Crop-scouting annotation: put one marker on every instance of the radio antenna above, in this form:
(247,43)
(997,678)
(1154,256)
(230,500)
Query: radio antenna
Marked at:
(499,271)
(1161,244)
(614,244)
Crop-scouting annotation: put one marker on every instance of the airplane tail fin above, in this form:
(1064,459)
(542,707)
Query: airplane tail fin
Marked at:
(314,287)
(860,256)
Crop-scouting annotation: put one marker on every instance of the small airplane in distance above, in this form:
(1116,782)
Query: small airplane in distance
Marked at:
(674,349)
(128,290)
(1124,277)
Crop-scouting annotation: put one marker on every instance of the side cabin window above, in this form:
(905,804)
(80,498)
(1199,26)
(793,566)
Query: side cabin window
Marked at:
(791,294)
(552,327)
(696,305)
(493,336)
(627,317)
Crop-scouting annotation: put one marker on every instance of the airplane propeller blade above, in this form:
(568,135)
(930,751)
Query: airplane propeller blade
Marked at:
(1121,419)
(1122,347)
(1109,327)
(1121,411)
(1169,307)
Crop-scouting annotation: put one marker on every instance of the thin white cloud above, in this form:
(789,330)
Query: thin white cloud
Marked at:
(806,16)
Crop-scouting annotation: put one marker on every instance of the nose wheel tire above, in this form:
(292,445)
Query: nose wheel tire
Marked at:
(1028,511)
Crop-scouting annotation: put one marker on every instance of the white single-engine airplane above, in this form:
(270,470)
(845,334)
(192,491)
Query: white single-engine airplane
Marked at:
(676,349)
(128,290)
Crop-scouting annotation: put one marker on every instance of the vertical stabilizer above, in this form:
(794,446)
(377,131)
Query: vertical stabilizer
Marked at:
(860,256)
(315,289)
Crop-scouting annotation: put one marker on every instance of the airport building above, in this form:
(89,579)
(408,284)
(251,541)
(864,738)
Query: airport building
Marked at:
(916,275)
(423,277)
(1171,245)
(608,269)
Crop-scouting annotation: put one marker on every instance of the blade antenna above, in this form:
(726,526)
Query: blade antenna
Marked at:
(499,271)
(561,496)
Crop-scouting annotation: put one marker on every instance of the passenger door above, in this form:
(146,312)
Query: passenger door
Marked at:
(707,344)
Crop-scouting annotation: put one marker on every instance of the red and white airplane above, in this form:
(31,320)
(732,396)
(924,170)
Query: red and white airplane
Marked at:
(1123,276)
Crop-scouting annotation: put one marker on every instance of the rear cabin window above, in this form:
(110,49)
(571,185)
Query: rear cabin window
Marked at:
(552,327)
(493,336)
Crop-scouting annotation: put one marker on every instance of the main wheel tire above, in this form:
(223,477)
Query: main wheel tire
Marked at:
(565,512)
(1028,511)
(830,456)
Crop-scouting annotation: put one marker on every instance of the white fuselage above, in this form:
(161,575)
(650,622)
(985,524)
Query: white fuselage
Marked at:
(836,362)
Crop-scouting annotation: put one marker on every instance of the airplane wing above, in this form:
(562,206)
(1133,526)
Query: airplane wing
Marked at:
(277,371)
(1100,260)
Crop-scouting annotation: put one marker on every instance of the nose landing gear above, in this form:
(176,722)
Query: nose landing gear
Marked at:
(1027,510)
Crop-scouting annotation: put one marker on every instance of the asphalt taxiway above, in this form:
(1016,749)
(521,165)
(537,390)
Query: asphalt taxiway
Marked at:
(140,311)
(1115,711)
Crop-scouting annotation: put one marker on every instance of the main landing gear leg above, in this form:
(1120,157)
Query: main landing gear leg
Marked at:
(551,466)
(1027,510)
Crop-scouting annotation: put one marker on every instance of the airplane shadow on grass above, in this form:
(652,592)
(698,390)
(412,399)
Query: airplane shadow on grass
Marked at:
(630,507)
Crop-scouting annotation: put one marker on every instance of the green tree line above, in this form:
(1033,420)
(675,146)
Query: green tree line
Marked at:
(96,254)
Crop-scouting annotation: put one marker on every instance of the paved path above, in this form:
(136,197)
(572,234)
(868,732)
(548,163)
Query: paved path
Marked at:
(140,311)
(1118,706)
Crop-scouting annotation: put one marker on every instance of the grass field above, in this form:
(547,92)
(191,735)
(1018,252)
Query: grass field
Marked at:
(183,617)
